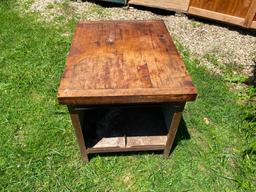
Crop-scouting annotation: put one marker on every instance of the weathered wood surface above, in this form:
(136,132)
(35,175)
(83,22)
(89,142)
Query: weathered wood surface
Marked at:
(126,141)
(172,5)
(110,142)
(124,62)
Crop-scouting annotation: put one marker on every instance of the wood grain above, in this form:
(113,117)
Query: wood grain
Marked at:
(216,16)
(251,14)
(253,25)
(172,5)
(238,8)
(130,142)
(124,62)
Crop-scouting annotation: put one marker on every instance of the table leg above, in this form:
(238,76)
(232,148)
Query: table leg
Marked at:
(173,128)
(78,131)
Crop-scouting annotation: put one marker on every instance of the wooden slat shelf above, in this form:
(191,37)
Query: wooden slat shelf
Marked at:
(237,12)
(118,144)
(127,128)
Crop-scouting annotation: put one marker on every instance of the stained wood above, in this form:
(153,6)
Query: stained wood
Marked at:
(253,25)
(216,16)
(172,5)
(79,133)
(238,8)
(251,14)
(172,132)
(130,142)
(124,62)
(127,149)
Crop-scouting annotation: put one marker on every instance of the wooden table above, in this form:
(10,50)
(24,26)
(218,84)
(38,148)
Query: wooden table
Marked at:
(125,86)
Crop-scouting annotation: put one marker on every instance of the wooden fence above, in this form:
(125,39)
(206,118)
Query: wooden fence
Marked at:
(237,12)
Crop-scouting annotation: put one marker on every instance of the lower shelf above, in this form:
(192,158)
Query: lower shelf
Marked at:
(117,144)
(124,129)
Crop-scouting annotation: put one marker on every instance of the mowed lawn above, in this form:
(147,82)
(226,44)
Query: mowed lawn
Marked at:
(38,150)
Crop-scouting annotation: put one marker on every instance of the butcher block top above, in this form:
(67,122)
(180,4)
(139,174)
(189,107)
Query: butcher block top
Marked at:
(123,62)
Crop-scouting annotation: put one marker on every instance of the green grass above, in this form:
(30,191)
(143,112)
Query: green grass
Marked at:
(230,71)
(38,147)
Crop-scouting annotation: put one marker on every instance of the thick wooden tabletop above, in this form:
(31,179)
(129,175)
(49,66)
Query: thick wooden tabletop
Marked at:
(119,62)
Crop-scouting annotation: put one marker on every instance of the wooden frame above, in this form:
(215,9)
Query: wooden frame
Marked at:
(250,15)
(165,144)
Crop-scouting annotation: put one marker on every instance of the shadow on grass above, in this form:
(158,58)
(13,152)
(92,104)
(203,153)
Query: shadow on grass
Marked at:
(182,134)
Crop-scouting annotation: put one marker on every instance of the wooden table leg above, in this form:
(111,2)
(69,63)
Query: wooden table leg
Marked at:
(79,133)
(173,129)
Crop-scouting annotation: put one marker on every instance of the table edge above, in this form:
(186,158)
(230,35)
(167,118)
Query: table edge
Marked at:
(131,96)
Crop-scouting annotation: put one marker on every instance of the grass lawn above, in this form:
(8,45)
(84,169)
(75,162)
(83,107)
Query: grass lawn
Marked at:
(38,147)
